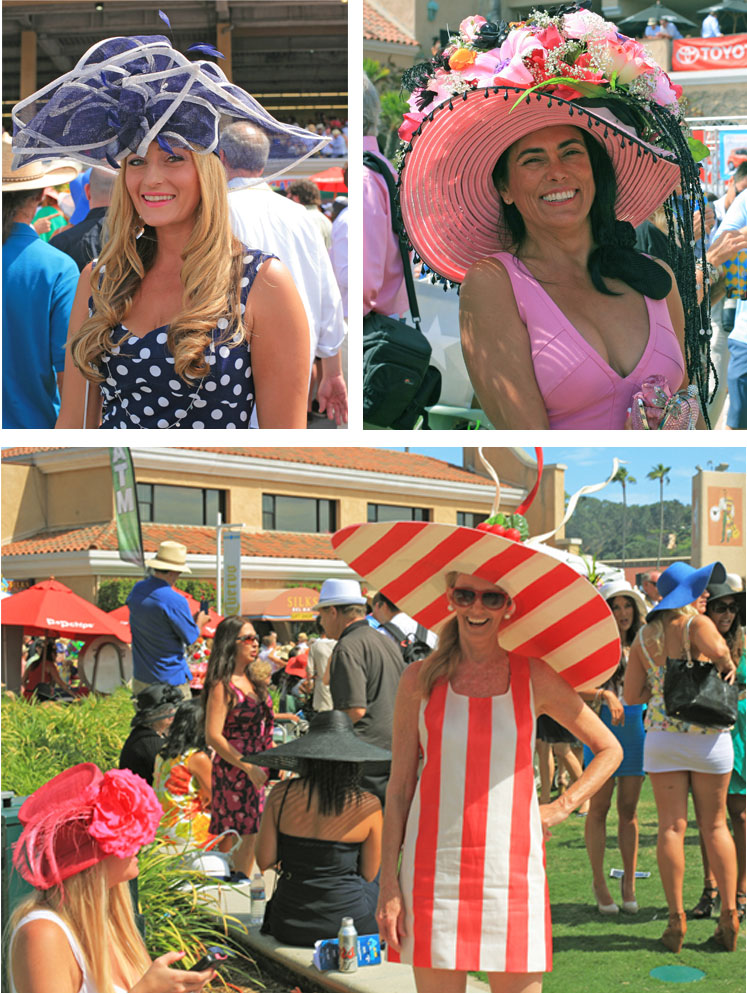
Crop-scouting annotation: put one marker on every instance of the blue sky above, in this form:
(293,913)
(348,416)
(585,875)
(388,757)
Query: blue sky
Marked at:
(587,465)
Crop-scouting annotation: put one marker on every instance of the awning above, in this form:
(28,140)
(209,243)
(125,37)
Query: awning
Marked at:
(294,604)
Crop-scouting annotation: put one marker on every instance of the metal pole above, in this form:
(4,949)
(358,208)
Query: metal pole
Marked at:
(218,569)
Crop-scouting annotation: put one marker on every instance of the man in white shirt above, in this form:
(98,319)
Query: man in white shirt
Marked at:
(729,240)
(265,220)
(710,27)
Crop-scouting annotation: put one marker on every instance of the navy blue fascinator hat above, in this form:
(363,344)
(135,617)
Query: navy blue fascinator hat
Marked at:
(125,93)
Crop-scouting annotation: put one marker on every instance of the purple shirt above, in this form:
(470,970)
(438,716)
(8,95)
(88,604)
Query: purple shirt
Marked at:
(384,288)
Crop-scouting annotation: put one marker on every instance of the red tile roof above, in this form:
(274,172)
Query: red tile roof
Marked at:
(365,459)
(378,26)
(199,541)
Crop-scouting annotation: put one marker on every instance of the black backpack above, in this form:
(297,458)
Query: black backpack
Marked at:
(398,380)
(412,647)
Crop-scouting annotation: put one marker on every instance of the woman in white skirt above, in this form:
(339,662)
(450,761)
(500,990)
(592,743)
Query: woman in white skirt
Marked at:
(679,756)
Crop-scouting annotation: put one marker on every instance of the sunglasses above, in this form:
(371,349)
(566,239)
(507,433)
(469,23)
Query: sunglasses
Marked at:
(493,600)
(248,638)
(720,607)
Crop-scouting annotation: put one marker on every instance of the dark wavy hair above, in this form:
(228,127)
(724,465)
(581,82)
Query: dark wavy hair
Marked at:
(223,657)
(336,785)
(187,730)
(637,620)
(734,638)
(614,254)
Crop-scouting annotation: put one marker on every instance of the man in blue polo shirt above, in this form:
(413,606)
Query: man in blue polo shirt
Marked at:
(161,624)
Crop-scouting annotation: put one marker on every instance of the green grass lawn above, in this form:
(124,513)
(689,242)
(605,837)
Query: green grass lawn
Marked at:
(593,953)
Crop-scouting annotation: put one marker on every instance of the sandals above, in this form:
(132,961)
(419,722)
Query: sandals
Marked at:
(707,903)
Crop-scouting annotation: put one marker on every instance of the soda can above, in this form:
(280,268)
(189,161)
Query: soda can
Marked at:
(347,938)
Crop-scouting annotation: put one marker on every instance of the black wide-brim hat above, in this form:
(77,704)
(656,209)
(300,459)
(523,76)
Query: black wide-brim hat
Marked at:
(719,590)
(330,738)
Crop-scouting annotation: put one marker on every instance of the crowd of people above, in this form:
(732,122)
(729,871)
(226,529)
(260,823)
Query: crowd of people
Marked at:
(588,236)
(411,769)
(175,252)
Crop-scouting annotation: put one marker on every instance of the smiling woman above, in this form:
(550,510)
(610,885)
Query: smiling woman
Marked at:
(529,161)
(177,323)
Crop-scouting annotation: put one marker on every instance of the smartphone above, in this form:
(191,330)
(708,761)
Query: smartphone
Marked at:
(205,605)
(215,956)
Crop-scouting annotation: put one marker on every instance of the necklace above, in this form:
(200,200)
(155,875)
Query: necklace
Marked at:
(124,403)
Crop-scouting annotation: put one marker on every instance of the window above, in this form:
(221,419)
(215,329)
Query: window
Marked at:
(298,514)
(470,519)
(180,505)
(392,512)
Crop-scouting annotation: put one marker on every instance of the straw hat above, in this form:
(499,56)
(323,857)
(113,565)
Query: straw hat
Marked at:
(171,557)
(35,175)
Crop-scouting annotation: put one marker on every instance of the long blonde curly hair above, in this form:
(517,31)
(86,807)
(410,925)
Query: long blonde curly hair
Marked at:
(211,275)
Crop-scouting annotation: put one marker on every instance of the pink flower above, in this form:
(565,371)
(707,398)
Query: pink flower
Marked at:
(126,814)
(628,59)
(581,23)
(520,44)
(666,92)
(409,126)
(550,37)
(470,26)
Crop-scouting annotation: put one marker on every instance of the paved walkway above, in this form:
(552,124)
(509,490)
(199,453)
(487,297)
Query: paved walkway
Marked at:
(387,978)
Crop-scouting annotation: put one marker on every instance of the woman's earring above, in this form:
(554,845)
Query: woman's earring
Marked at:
(139,227)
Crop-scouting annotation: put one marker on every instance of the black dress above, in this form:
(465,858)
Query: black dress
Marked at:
(318,885)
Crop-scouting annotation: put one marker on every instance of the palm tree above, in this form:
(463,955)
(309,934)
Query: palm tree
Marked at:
(623,477)
(660,473)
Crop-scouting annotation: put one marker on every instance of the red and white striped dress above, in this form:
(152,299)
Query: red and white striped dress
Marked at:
(473,868)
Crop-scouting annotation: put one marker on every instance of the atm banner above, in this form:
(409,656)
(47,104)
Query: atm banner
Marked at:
(727,52)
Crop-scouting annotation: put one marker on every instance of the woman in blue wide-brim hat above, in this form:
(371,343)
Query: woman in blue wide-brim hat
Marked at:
(680,756)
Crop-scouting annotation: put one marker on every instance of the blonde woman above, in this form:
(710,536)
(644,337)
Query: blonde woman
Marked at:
(78,849)
(680,756)
(183,329)
(177,325)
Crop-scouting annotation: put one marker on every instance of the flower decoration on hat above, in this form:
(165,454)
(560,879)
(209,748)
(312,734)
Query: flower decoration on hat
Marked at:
(78,818)
(575,55)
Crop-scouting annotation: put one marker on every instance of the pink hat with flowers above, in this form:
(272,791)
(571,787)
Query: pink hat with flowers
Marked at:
(78,818)
(492,86)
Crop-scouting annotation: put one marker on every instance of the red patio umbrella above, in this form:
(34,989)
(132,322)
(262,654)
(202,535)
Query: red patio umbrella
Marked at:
(330,179)
(51,608)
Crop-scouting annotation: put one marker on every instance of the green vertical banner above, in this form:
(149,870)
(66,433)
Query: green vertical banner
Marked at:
(129,537)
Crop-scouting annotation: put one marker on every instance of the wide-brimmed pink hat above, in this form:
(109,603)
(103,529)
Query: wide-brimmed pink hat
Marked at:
(451,209)
(496,83)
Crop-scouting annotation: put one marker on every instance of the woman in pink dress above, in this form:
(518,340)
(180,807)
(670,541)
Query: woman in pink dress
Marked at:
(526,189)
(470,892)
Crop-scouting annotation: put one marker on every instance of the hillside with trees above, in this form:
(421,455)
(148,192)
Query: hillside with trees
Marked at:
(599,523)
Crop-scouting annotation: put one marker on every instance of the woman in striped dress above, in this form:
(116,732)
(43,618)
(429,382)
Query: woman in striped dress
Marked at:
(471,892)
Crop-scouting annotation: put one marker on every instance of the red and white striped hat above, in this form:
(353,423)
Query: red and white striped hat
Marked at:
(559,615)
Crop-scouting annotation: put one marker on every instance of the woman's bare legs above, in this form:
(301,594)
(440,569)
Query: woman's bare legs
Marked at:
(440,981)
(243,855)
(670,794)
(710,791)
(515,983)
(546,769)
(595,834)
(628,793)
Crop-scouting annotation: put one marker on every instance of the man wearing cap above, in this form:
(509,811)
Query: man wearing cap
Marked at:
(39,285)
(364,669)
(161,624)
(388,614)
(652,29)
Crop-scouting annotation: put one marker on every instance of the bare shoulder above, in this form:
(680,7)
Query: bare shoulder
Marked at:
(43,959)
(44,937)
(408,682)
(370,805)
(486,277)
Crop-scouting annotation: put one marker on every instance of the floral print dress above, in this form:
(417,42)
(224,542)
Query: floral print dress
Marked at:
(236,803)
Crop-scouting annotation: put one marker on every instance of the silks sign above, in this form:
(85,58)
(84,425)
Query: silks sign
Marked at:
(727,52)
(129,538)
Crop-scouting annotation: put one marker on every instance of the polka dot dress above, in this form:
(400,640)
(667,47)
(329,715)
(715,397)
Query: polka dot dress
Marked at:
(142,390)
